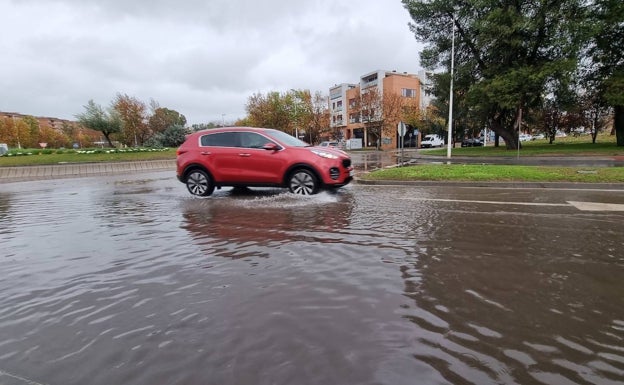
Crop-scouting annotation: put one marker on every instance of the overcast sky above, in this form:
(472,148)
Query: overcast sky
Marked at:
(202,58)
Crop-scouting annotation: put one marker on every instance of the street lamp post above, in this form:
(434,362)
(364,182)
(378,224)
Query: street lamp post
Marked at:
(450,119)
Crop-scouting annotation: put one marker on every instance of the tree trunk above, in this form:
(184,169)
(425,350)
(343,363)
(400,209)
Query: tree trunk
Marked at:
(508,136)
(107,136)
(618,124)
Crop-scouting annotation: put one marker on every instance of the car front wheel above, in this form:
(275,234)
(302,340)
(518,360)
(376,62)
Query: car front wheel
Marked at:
(303,182)
(199,183)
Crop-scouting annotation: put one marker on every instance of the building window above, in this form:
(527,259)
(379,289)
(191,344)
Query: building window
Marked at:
(408,93)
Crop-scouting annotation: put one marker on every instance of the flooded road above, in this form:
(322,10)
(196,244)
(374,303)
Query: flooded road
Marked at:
(130,280)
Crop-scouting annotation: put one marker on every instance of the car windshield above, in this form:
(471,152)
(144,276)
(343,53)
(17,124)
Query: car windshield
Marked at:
(286,139)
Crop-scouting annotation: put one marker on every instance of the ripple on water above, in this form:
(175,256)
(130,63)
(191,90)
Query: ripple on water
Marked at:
(140,283)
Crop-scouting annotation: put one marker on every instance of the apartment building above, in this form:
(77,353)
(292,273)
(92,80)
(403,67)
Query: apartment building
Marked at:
(347,116)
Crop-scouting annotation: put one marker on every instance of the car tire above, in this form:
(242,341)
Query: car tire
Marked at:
(303,182)
(199,183)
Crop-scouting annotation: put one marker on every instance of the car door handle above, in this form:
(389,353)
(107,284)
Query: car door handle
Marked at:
(205,152)
(244,155)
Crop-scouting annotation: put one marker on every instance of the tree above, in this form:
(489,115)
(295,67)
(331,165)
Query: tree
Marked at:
(15,131)
(96,118)
(163,118)
(380,113)
(506,51)
(370,109)
(606,64)
(291,112)
(319,122)
(133,113)
(173,136)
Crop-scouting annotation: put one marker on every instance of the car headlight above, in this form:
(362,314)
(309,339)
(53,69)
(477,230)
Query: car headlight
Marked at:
(324,154)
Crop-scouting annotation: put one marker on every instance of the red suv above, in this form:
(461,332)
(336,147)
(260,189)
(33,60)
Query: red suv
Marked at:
(263,157)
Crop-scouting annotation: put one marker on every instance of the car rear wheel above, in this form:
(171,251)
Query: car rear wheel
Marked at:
(199,183)
(303,182)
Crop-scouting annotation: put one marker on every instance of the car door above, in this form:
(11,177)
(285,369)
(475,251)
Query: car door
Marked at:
(259,165)
(220,155)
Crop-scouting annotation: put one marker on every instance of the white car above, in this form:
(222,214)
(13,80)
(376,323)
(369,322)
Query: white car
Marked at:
(525,137)
(432,140)
(328,144)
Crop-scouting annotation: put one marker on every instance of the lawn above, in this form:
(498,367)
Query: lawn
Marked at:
(499,173)
(31,157)
(567,146)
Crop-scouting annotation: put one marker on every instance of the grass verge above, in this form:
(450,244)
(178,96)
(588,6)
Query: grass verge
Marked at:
(569,146)
(43,157)
(499,173)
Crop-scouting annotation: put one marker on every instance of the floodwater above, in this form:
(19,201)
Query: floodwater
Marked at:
(130,280)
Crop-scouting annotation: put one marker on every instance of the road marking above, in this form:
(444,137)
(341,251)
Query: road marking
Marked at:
(595,206)
(20,378)
(489,202)
(582,206)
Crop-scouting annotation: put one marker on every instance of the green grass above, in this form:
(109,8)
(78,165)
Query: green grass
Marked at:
(568,146)
(31,157)
(499,173)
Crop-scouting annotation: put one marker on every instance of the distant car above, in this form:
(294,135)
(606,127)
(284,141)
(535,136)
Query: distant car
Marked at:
(262,157)
(328,144)
(538,136)
(471,142)
(525,137)
(432,140)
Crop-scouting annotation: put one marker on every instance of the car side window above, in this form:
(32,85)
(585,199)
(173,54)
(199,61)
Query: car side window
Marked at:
(221,139)
(253,140)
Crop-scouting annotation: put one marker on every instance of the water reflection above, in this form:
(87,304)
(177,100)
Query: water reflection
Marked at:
(136,282)
(505,304)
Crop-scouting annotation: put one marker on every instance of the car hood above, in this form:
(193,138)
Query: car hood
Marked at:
(331,150)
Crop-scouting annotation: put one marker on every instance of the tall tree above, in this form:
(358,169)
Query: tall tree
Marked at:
(133,113)
(506,51)
(291,112)
(319,122)
(107,122)
(163,118)
(606,50)
(370,110)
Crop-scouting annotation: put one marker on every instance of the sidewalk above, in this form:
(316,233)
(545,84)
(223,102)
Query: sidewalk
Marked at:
(26,173)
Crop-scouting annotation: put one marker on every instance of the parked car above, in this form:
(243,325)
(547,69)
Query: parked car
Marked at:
(471,142)
(329,144)
(432,140)
(538,137)
(262,157)
(525,137)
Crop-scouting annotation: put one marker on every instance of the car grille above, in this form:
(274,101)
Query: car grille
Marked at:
(334,173)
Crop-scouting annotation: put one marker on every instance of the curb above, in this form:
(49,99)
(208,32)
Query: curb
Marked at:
(75,170)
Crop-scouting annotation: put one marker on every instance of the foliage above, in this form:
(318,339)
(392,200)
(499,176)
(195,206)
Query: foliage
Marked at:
(163,118)
(606,53)
(506,53)
(204,126)
(294,112)
(133,113)
(96,118)
(173,136)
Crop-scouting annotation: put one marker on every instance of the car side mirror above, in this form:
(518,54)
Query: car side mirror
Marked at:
(272,147)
